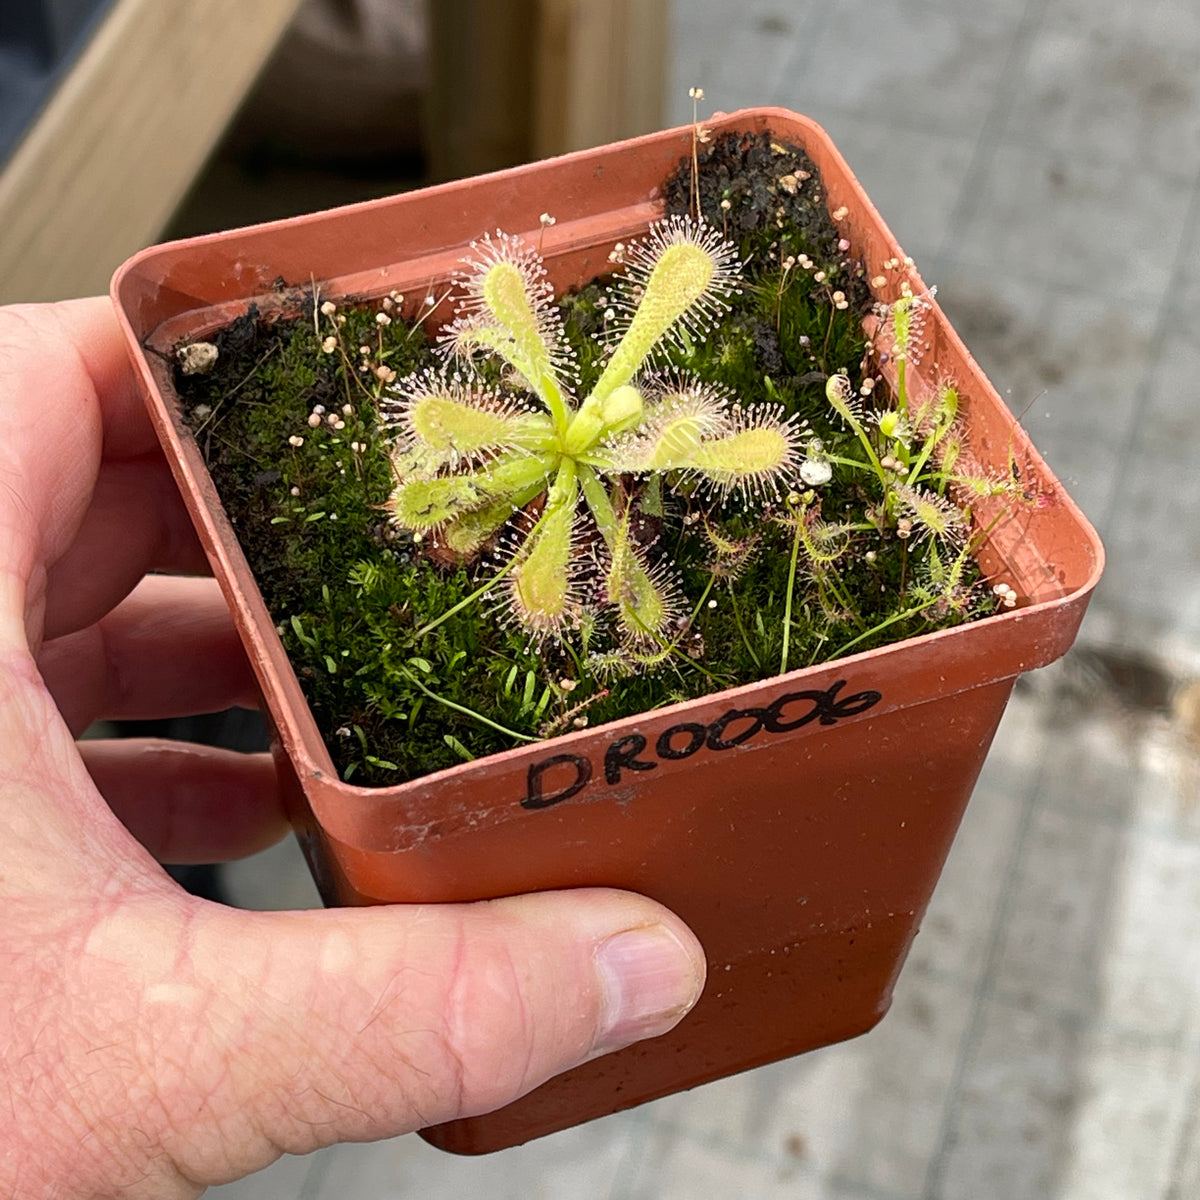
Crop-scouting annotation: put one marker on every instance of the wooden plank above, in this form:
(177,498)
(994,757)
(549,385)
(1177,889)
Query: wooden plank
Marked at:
(121,140)
(600,73)
(519,79)
(478,111)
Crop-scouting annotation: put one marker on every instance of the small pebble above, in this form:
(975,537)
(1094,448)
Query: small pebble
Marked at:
(197,359)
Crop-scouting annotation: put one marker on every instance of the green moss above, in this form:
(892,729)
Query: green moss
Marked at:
(400,688)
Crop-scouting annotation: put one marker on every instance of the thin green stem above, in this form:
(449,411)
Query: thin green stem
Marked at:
(573,654)
(700,603)
(856,464)
(816,652)
(875,463)
(467,601)
(482,590)
(692,664)
(900,616)
(828,335)
(828,577)
(467,712)
(847,414)
(737,617)
(596,495)
(914,473)
(787,607)
(547,387)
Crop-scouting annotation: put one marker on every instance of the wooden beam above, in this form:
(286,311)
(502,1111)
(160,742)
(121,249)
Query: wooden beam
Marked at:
(478,111)
(519,79)
(600,73)
(123,137)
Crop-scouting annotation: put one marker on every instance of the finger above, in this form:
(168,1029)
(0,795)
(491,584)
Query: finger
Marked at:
(188,803)
(357,1025)
(169,650)
(51,451)
(67,393)
(90,326)
(136,523)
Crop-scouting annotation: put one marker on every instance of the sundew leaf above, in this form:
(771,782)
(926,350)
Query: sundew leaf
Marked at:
(541,594)
(751,459)
(422,504)
(456,426)
(643,602)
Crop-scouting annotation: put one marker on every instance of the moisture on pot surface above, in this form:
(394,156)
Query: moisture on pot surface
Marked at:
(486,515)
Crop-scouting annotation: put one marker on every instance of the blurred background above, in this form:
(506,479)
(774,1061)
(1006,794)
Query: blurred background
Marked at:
(1040,159)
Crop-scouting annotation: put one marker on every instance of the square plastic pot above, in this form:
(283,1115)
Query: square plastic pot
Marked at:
(798,825)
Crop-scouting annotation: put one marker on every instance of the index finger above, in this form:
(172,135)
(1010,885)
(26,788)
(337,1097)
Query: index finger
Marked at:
(91,326)
(68,397)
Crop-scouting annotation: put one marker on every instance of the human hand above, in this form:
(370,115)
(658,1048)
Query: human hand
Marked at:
(151,1043)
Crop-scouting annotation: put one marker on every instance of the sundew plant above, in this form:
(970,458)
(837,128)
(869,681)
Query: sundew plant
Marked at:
(469,457)
(690,474)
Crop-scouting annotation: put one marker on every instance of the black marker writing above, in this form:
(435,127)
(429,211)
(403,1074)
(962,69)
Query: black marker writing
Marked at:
(790,711)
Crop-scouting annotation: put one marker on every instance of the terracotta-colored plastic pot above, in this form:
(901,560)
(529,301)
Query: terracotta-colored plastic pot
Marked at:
(799,824)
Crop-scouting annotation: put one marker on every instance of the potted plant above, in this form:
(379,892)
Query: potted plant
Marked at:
(797,822)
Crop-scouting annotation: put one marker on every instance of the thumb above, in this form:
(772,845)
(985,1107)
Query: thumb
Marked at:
(362,1024)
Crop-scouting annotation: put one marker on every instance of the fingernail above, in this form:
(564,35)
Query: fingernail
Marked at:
(650,979)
